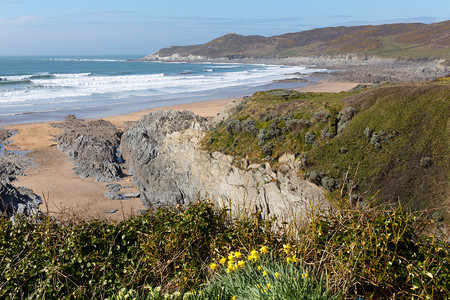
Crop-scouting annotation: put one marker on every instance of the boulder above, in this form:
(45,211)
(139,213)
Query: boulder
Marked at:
(93,146)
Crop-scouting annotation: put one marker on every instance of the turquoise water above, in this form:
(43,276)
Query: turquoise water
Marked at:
(48,88)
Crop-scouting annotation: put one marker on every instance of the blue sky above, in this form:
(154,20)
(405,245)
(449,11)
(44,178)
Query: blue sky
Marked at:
(61,27)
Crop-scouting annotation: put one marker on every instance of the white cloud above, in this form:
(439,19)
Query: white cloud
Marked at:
(22,20)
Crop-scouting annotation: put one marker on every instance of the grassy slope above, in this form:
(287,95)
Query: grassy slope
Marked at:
(415,117)
(389,40)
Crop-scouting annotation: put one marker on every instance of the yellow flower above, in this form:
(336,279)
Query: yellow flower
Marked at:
(253,255)
(230,268)
(305,275)
(241,264)
(288,259)
(259,268)
(286,248)
(223,260)
(277,275)
(237,254)
(233,298)
(264,273)
(231,257)
(258,286)
(213,266)
(268,285)
(264,249)
(294,258)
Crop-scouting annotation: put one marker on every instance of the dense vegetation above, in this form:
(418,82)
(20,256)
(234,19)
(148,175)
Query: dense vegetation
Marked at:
(391,40)
(390,141)
(376,253)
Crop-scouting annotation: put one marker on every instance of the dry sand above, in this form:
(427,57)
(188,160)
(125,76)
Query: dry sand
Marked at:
(66,194)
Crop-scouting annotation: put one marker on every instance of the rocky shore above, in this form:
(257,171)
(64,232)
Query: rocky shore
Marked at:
(15,200)
(348,67)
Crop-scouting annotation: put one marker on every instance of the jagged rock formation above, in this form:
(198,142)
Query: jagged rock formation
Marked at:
(4,134)
(163,152)
(14,200)
(93,146)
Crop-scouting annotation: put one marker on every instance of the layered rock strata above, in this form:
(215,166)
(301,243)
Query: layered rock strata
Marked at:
(93,146)
(163,151)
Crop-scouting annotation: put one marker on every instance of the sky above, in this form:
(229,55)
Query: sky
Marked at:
(139,27)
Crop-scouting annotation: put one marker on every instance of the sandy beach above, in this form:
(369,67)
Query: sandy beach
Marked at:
(68,195)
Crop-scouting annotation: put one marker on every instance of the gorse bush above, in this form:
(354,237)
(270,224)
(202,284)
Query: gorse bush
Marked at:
(375,253)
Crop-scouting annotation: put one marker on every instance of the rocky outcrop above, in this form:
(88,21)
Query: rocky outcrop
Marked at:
(93,146)
(164,154)
(15,201)
(352,67)
(4,134)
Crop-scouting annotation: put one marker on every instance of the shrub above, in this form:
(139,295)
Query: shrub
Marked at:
(344,117)
(321,116)
(310,137)
(267,149)
(249,126)
(328,183)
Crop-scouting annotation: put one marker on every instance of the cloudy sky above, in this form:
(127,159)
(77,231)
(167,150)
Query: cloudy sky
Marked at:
(60,27)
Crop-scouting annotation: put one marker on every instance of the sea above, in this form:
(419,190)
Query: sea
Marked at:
(37,89)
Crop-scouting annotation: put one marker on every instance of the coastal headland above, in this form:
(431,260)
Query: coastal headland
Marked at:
(51,173)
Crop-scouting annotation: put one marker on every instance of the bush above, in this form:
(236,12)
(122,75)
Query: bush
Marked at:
(268,149)
(321,116)
(328,183)
(310,137)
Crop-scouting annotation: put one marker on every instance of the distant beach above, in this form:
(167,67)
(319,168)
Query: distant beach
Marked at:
(39,89)
(51,174)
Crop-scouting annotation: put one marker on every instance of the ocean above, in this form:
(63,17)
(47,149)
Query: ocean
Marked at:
(35,89)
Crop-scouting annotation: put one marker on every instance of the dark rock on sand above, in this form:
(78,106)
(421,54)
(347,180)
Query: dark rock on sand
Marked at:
(93,146)
(12,165)
(14,201)
(141,145)
(4,134)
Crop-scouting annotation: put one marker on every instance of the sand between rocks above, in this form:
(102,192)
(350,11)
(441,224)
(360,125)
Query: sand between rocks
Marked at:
(67,195)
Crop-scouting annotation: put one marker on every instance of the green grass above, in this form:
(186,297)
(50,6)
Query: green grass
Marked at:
(411,118)
(391,48)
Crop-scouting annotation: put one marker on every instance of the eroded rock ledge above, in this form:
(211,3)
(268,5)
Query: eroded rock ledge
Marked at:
(93,146)
(164,154)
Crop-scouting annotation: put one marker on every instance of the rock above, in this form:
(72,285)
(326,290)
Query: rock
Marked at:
(131,195)
(12,165)
(113,195)
(15,201)
(4,134)
(111,211)
(93,146)
(164,154)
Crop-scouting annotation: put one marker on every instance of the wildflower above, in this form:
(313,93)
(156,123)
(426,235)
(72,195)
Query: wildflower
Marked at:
(264,249)
(289,259)
(213,266)
(233,298)
(253,255)
(230,268)
(305,275)
(294,258)
(258,286)
(277,275)
(264,273)
(259,268)
(286,248)
(237,254)
(223,260)
(268,285)
(231,257)
(241,264)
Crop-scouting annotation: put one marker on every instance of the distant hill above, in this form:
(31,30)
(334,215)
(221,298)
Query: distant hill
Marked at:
(389,40)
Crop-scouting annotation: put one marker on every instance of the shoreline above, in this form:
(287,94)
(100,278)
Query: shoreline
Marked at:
(67,195)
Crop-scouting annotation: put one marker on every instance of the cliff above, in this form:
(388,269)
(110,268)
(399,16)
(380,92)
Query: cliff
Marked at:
(163,151)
